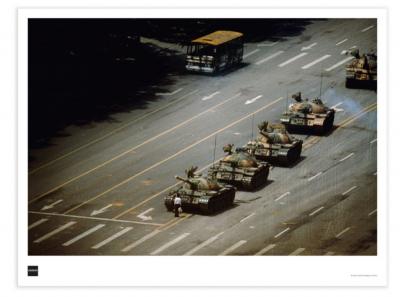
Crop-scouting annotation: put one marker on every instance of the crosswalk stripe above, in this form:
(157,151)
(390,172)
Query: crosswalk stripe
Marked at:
(233,247)
(315,61)
(140,241)
(339,63)
(112,237)
(37,223)
(269,57)
(203,244)
(84,234)
(266,249)
(292,59)
(51,233)
(170,243)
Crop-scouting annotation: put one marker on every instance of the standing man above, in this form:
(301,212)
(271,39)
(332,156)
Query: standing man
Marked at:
(177,204)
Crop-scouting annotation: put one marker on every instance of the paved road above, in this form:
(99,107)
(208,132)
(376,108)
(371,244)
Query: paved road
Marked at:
(100,190)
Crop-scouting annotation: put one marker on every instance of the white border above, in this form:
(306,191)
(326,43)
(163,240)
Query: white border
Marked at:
(197,271)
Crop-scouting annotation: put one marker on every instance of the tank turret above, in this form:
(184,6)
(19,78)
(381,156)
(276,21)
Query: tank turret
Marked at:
(361,72)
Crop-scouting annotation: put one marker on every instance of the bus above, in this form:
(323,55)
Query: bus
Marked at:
(215,52)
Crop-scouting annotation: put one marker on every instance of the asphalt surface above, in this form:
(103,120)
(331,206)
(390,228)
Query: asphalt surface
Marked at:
(100,190)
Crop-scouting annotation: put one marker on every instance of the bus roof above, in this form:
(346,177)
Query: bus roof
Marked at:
(218,37)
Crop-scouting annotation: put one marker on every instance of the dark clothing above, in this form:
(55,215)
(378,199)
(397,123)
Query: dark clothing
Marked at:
(176,208)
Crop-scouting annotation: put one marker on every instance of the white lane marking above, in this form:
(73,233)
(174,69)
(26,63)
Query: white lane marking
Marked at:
(345,158)
(372,212)
(203,244)
(315,211)
(372,141)
(170,243)
(111,238)
(233,247)
(250,53)
(329,253)
(99,211)
(170,93)
(51,233)
(336,105)
(46,207)
(143,217)
(297,252)
(342,232)
(140,241)
(269,57)
(210,96)
(280,233)
(342,41)
(282,196)
(84,234)
(245,218)
(37,223)
(236,133)
(315,176)
(253,100)
(366,29)
(304,48)
(349,190)
(315,61)
(264,250)
(268,44)
(292,59)
(339,63)
(354,46)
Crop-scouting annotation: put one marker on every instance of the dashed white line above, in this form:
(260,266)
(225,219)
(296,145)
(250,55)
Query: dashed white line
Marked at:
(140,241)
(315,176)
(112,237)
(268,44)
(339,63)
(282,232)
(253,99)
(84,234)
(264,250)
(269,57)
(366,29)
(210,96)
(51,233)
(250,53)
(170,243)
(292,59)
(342,232)
(297,252)
(170,93)
(315,211)
(349,190)
(372,212)
(233,247)
(342,41)
(245,218)
(372,141)
(37,223)
(203,244)
(345,158)
(329,253)
(282,196)
(336,105)
(315,61)
(304,48)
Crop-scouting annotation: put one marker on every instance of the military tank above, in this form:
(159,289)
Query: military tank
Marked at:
(312,115)
(361,72)
(239,168)
(201,194)
(275,145)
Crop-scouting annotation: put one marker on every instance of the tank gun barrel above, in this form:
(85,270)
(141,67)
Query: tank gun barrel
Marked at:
(185,180)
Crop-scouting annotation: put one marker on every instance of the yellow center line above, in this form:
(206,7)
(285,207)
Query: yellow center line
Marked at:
(109,133)
(174,155)
(132,149)
(173,222)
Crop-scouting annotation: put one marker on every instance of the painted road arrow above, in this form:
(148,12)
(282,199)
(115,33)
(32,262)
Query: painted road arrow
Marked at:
(46,207)
(96,212)
(304,48)
(143,217)
(253,100)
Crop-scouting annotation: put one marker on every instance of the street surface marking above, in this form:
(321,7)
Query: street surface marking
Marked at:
(268,44)
(46,207)
(345,158)
(342,41)
(250,53)
(245,218)
(37,223)
(366,29)
(297,252)
(253,100)
(210,96)
(336,105)
(93,218)
(140,241)
(84,234)
(170,93)
(96,212)
(233,247)
(282,196)
(203,244)
(266,249)
(176,154)
(133,148)
(329,253)
(372,141)
(143,216)
(280,233)
(51,233)
(315,211)
(342,232)
(111,238)
(111,132)
(315,61)
(292,59)
(372,212)
(349,190)
(315,176)
(339,63)
(304,48)
(269,57)
(170,243)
